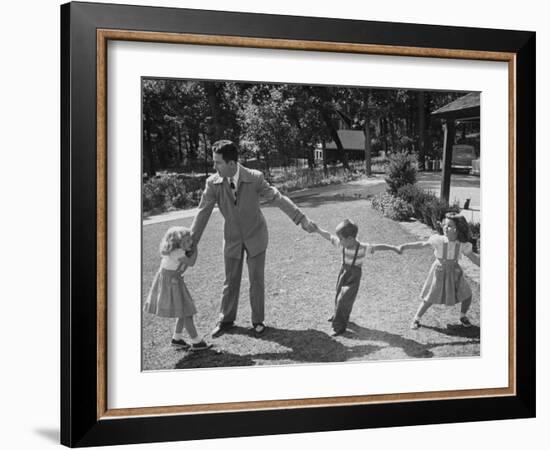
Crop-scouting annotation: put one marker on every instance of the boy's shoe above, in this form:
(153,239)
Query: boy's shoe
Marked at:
(415,325)
(331,318)
(259,328)
(465,322)
(199,346)
(180,343)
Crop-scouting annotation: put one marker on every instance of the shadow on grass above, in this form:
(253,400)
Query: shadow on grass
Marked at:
(302,346)
(472,332)
(310,346)
(411,347)
(314,346)
(213,358)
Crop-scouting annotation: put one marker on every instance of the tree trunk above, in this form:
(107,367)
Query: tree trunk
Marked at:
(205,156)
(310,152)
(266,161)
(180,150)
(149,161)
(427,118)
(160,149)
(384,134)
(421,105)
(212,94)
(366,132)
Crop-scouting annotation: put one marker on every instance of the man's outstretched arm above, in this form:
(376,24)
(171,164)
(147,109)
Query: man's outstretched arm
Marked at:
(272,194)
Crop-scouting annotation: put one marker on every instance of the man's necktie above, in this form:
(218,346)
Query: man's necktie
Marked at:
(234,190)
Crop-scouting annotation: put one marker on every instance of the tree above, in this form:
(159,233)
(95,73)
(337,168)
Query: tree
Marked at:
(265,122)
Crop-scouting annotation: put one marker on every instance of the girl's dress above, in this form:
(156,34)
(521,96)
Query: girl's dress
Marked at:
(445,284)
(168,296)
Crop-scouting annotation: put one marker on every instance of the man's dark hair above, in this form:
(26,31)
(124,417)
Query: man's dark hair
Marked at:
(347,229)
(227,149)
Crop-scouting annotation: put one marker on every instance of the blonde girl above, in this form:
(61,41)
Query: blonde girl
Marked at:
(169,296)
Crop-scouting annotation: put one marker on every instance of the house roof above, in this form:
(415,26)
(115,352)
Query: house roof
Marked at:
(351,140)
(466,106)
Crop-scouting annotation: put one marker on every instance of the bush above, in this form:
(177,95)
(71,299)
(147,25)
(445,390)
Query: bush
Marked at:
(171,191)
(400,171)
(475,236)
(416,197)
(288,182)
(392,207)
(434,210)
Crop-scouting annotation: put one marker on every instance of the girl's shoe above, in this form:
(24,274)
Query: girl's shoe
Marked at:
(180,343)
(465,322)
(199,346)
(415,325)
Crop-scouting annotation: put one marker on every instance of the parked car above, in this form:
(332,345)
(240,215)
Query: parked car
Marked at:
(463,155)
(476,167)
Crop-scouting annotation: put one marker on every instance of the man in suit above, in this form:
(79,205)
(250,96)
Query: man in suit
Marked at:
(237,192)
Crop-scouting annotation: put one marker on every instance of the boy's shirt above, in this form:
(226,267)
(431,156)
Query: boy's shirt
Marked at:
(349,253)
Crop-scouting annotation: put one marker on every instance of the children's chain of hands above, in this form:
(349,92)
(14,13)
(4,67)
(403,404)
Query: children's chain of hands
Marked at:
(312,227)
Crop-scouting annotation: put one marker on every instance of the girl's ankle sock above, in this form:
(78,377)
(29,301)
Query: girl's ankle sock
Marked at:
(178,336)
(195,340)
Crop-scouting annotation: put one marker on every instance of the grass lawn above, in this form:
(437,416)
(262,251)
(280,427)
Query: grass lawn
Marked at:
(301,272)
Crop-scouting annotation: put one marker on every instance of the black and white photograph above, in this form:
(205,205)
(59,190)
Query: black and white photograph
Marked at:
(292,224)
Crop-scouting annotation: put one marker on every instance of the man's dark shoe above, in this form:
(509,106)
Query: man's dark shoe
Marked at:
(338,332)
(259,328)
(221,328)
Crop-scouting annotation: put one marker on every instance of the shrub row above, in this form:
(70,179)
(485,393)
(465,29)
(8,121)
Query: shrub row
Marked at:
(168,192)
(391,206)
(412,201)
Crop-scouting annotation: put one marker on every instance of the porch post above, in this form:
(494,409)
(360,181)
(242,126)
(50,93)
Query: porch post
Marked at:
(448,141)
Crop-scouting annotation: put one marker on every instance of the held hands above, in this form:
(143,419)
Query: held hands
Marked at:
(395,248)
(308,225)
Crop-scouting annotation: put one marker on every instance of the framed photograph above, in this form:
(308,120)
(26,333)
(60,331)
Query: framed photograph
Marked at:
(354,167)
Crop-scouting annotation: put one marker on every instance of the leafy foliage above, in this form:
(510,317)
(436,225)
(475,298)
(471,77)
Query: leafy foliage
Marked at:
(170,191)
(400,171)
(392,207)
(281,122)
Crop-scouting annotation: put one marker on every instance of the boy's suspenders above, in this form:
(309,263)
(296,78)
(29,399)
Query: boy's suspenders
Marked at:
(354,256)
(338,287)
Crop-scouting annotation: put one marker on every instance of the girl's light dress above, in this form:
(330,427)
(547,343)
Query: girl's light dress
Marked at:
(446,284)
(168,296)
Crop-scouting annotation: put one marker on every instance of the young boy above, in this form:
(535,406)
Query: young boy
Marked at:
(353,254)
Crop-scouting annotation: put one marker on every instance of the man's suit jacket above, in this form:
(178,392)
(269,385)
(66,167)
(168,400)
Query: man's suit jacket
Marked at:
(244,222)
